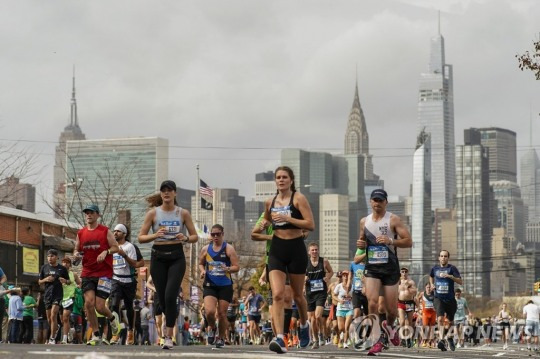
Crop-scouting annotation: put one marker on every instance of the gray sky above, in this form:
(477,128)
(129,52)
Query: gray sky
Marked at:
(257,76)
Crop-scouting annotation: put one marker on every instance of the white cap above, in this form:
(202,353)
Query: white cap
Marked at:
(120,227)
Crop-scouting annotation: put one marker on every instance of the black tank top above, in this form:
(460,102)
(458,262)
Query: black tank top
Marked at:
(290,209)
(315,275)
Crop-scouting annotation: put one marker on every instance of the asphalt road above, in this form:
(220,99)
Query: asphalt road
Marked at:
(245,352)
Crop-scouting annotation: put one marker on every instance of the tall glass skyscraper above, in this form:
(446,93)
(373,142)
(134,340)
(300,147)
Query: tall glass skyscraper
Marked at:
(501,145)
(436,117)
(421,208)
(530,184)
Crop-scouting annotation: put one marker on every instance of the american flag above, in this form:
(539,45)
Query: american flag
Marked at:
(205,190)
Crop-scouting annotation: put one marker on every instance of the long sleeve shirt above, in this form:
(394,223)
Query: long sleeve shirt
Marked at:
(15,309)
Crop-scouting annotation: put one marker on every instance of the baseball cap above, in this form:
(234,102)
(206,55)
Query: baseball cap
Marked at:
(168,184)
(120,227)
(379,193)
(91,207)
(52,251)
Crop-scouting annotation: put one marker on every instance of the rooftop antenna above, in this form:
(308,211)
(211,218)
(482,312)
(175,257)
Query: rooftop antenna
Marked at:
(439,22)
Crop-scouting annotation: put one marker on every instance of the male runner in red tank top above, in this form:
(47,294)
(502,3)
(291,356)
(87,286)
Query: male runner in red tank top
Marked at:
(97,244)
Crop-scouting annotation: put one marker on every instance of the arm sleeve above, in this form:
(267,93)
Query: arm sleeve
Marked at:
(42,273)
(65,273)
(455,272)
(132,253)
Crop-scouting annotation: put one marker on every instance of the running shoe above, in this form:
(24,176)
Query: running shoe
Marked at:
(115,339)
(322,342)
(346,345)
(167,343)
(340,345)
(441,345)
(394,337)
(505,346)
(161,341)
(130,338)
(51,341)
(105,341)
(315,345)
(303,335)
(451,344)
(277,345)
(115,324)
(94,341)
(219,343)
(211,337)
(63,342)
(336,340)
(377,348)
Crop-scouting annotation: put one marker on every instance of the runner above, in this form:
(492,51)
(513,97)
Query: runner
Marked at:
(77,316)
(504,323)
(243,321)
(355,282)
(344,309)
(380,233)
(332,318)
(97,243)
(216,263)
(442,279)
(289,214)
(124,284)
(429,316)
(68,299)
(460,319)
(232,315)
(254,305)
(53,275)
(531,313)
(168,263)
(157,311)
(318,275)
(406,303)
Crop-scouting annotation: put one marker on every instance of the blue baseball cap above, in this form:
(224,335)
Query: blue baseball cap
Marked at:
(379,193)
(91,207)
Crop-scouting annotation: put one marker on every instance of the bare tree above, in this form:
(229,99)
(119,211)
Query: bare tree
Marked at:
(528,61)
(16,164)
(115,186)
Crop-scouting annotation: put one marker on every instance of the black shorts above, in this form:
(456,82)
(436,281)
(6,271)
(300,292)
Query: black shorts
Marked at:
(121,290)
(387,278)
(314,300)
(288,255)
(255,318)
(231,319)
(360,302)
(326,312)
(220,292)
(43,324)
(91,283)
(52,298)
(295,314)
(504,325)
(445,307)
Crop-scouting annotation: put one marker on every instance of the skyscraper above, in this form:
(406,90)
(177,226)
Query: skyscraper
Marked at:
(501,145)
(436,116)
(334,225)
(474,228)
(421,207)
(71,132)
(530,184)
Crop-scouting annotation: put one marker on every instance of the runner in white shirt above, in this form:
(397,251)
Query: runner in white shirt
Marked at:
(345,309)
(531,312)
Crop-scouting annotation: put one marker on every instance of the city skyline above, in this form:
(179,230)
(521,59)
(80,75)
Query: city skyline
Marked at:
(268,82)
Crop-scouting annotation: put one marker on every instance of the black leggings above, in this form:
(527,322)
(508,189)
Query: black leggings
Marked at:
(125,291)
(168,266)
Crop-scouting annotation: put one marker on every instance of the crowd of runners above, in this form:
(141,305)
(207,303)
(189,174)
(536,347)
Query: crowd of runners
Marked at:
(367,307)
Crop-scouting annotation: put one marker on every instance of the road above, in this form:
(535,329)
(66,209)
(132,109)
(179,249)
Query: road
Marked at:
(20,351)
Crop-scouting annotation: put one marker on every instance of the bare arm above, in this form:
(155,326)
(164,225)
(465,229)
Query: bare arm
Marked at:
(359,258)
(144,237)
(77,279)
(361,242)
(329,271)
(231,252)
(202,261)
(404,237)
(76,249)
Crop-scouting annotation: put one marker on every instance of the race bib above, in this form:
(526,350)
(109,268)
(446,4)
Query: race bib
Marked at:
(66,303)
(442,288)
(347,304)
(104,285)
(428,304)
(119,262)
(284,211)
(357,285)
(316,285)
(377,254)
(172,228)
(216,268)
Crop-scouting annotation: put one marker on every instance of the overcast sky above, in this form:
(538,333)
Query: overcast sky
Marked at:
(257,76)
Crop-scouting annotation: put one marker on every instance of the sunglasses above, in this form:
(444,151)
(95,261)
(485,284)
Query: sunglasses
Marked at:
(216,234)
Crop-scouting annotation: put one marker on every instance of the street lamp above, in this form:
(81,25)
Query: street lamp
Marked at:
(76,184)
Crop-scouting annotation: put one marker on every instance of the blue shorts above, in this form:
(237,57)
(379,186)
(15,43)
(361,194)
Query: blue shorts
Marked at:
(532,327)
(345,313)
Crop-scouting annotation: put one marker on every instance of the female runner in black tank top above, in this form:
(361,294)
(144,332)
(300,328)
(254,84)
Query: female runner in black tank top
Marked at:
(290,215)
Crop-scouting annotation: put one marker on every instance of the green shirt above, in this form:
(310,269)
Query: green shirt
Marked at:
(28,300)
(269,231)
(78,302)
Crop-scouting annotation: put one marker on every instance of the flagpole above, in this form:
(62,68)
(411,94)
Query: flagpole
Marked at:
(214,207)
(193,249)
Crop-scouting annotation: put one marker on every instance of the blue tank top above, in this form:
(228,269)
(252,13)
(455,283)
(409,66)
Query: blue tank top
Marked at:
(216,262)
(171,221)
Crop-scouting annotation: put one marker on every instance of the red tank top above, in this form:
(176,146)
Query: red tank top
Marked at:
(92,243)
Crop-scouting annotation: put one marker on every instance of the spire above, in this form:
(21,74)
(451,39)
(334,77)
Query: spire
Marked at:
(436,60)
(439,24)
(74,120)
(356,136)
